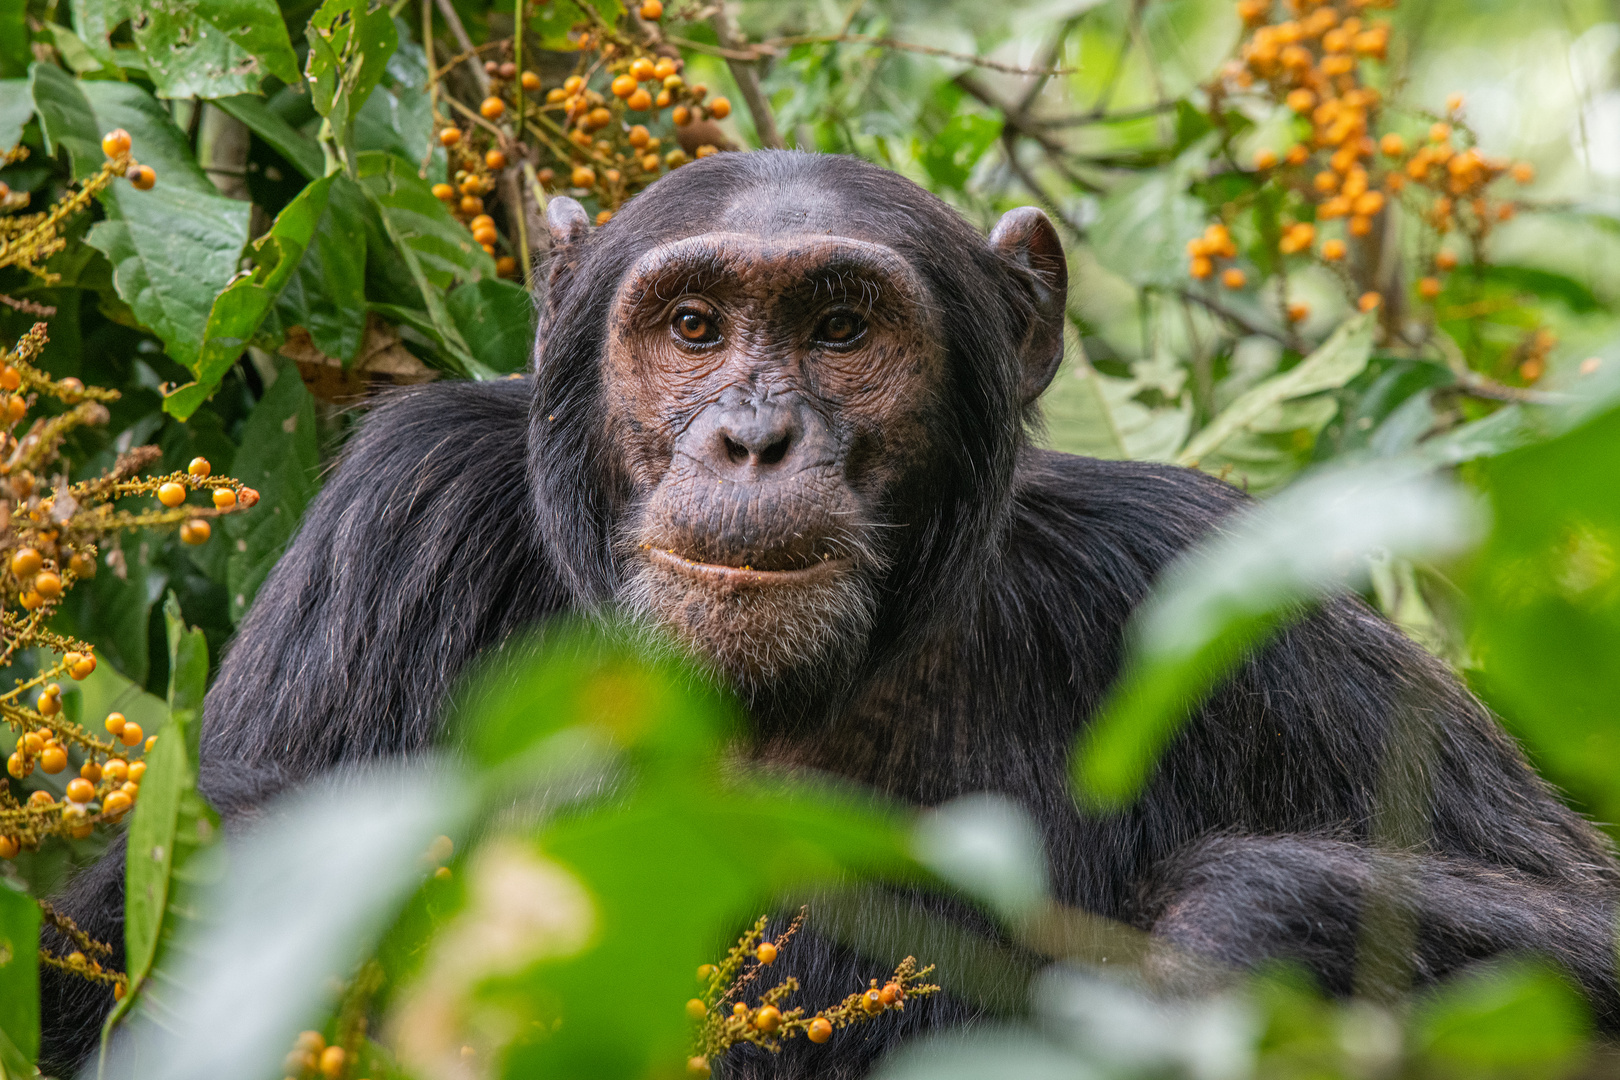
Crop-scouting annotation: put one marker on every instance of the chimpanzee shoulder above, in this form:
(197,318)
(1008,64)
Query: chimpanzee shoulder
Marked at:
(419,552)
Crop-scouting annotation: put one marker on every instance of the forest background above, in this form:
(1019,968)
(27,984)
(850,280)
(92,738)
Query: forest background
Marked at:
(1396,318)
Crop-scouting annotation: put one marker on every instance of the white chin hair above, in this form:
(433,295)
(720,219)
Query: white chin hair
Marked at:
(758,637)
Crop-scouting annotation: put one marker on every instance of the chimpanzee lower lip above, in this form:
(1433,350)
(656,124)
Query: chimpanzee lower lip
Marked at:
(720,573)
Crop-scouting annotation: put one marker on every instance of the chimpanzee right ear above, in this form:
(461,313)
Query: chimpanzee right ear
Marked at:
(1026,236)
(569,229)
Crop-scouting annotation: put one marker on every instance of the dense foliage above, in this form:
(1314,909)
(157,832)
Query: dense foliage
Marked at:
(1353,257)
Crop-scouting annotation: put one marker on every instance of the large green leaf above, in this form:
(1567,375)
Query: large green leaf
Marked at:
(1546,600)
(496,318)
(1223,598)
(171,822)
(16,107)
(1143,227)
(268,125)
(1267,434)
(19,981)
(66,119)
(14,52)
(172,248)
(326,294)
(238,312)
(195,48)
(278,457)
(349,46)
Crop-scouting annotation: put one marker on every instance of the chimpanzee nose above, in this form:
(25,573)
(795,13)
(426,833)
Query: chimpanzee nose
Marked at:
(752,432)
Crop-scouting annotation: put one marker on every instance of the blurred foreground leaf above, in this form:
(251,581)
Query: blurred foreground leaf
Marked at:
(19,981)
(1219,601)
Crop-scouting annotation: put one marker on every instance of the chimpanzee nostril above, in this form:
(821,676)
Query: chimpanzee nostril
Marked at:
(736,451)
(776,451)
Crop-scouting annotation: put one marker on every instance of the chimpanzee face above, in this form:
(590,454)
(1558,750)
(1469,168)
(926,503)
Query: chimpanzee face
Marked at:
(765,396)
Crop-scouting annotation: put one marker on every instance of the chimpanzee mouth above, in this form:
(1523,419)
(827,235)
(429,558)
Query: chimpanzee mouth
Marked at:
(791,571)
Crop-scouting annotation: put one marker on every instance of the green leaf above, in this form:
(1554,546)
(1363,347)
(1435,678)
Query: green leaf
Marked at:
(496,318)
(1221,599)
(14,52)
(175,247)
(279,458)
(171,822)
(16,109)
(552,22)
(1142,230)
(238,312)
(195,48)
(66,119)
(349,47)
(1545,594)
(1519,1016)
(1542,284)
(284,139)
(19,980)
(326,295)
(1241,440)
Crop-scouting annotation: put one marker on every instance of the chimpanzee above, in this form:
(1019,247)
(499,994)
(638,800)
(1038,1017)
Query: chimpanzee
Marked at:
(781,406)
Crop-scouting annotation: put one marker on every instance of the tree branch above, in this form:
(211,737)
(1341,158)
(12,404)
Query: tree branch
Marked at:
(747,76)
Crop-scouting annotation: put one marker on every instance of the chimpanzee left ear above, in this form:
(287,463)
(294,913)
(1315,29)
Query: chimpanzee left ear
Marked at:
(1026,237)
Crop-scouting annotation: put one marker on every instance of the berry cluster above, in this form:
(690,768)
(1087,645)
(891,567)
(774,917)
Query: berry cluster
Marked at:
(768,1023)
(590,134)
(49,540)
(1309,58)
(312,1059)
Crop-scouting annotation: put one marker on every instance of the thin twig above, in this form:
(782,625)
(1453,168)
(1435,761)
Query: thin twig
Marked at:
(1020,122)
(1095,117)
(747,77)
(1483,386)
(1243,322)
(772,46)
(469,50)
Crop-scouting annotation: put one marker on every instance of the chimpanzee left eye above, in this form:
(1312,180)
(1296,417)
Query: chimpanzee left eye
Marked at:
(841,328)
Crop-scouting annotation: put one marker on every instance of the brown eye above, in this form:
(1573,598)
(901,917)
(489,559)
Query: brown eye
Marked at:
(841,328)
(695,328)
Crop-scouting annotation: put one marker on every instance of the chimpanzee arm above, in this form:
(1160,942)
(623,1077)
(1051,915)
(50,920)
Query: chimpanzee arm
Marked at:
(1335,906)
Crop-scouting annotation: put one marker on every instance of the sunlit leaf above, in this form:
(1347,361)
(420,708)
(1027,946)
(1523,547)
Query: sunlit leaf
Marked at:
(1520,1017)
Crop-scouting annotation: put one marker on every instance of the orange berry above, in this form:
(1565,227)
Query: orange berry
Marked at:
(246,498)
(1392,145)
(573,84)
(599,117)
(1233,278)
(450,136)
(1369,203)
(696,1010)
(137,770)
(41,798)
(81,668)
(198,466)
(652,9)
(872,1002)
(768,1019)
(675,158)
(583,176)
(485,234)
(16,408)
(471,204)
(25,562)
(19,766)
(333,1058)
(10,378)
(492,108)
(489,249)
(663,99)
(1369,301)
(80,790)
(114,723)
(195,532)
(1298,312)
(473,185)
(495,159)
(681,116)
(719,108)
(1360,225)
(9,847)
(1325,182)
(1265,159)
(530,81)
(116,769)
(30,600)
(224,499)
(53,759)
(48,584)
(1333,250)
(171,494)
(766,952)
(650,163)
(1439,133)
(820,1030)
(506,266)
(115,142)
(142,177)
(604,216)
(1429,288)
(1524,172)
(639,101)
(1297,154)
(443,192)
(891,993)
(664,68)
(623,86)
(131,734)
(1301,100)
(642,69)
(1446,260)
(116,803)
(1201,267)
(1454,103)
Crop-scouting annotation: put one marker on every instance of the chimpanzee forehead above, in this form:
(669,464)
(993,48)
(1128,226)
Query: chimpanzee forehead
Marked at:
(773,264)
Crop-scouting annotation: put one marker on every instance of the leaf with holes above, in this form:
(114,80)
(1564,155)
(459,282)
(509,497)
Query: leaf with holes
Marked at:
(195,48)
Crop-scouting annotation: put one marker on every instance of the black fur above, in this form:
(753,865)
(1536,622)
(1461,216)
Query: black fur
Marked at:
(461,513)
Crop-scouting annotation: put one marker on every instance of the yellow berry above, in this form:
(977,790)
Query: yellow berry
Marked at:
(450,136)
(1333,250)
(768,1019)
(224,499)
(116,803)
(151,741)
(766,952)
(333,1059)
(91,772)
(199,467)
(115,143)
(171,494)
(41,798)
(194,532)
(494,159)
(80,790)
(10,378)
(471,204)
(820,1030)
(652,9)
(114,723)
(26,562)
(696,1066)
(583,176)
(604,216)
(131,734)
(443,192)
(530,81)
(695,1009)
(491,108)
(705,972)
(137,769)
(116,769)
(18,766)
(872,1002)
(681,116)
(82,668)
(642,69)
